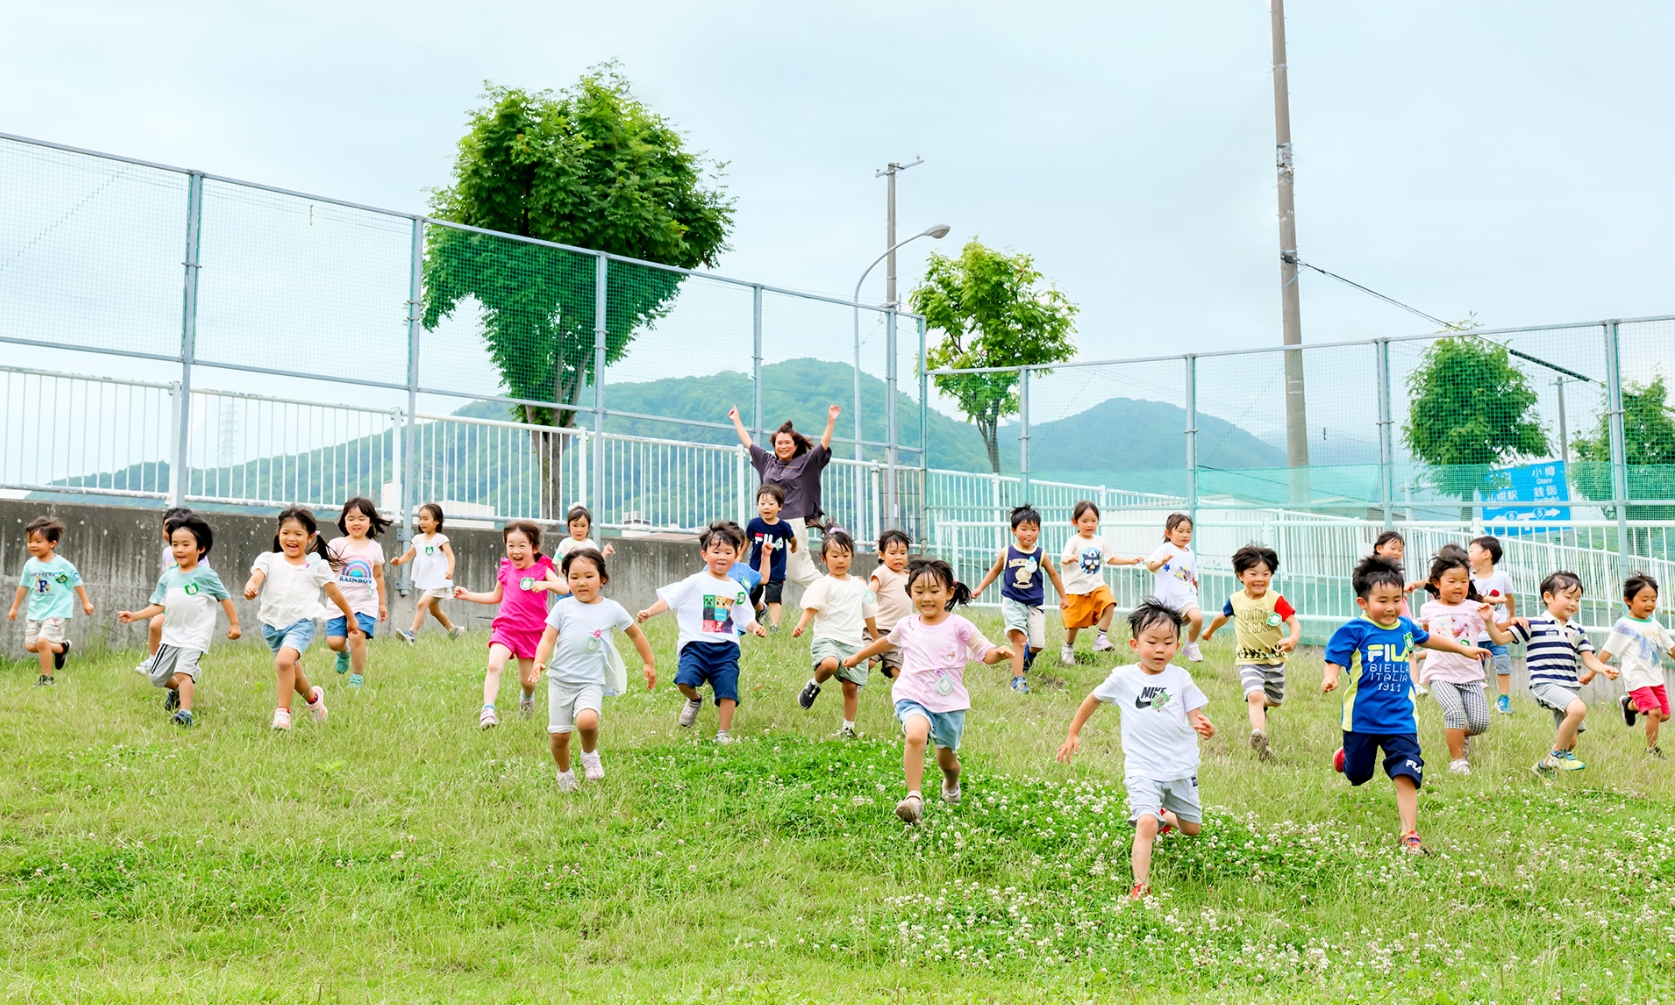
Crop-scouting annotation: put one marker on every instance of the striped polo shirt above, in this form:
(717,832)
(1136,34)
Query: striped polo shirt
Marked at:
(1554,650)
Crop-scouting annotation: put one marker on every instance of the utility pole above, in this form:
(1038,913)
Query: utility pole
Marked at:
(1296,412)
(889,172)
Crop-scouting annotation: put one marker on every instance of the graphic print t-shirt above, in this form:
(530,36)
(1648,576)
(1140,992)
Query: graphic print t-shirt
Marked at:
(1640,645)
(1021,577)
(189,602)
(355,576)
(51,587)
(1461,622)
(1158,741)
(1176,581)
(1491,587)
(1258,627)
(774,536)
(708,609)
(1378,696)
(1088,574)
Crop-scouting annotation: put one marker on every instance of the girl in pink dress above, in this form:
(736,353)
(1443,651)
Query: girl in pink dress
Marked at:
(526,577)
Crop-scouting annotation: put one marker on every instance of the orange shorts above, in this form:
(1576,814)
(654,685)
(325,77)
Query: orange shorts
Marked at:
(1083,610)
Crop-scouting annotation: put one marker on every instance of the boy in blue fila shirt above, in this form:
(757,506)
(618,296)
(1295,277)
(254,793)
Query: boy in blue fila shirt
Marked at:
(1378,704)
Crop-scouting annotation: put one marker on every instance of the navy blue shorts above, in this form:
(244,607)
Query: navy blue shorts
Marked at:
(712,663)
(1401,756)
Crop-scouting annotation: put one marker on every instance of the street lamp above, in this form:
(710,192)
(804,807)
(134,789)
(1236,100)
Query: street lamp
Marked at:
(936,232)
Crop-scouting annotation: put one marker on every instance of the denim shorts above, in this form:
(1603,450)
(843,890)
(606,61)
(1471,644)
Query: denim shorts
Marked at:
(338,628)
(1499,657)
(297,635)
(946,727)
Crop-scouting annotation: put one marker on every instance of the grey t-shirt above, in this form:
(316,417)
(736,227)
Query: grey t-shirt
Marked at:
(799,477)
(585,631)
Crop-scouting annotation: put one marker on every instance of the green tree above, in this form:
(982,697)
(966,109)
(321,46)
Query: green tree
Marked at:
(1648,448)
(992,310)
(591,167)
(1471,409)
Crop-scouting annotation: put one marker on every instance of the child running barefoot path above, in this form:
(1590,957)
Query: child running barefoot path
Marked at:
(578,653)
(1089,602)
(185,596)
(525,578)
(359,561)
(290,578)
(48,581)
(1375,651)
(709,606)
(1176,585)
(930,695)
(1640,642)
(1455,682)
(1019,567)
(1161,724)
(840,605)
(1554,648)
(1258,615)
(433,573)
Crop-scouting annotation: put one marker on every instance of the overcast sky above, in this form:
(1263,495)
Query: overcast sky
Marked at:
(1510,159)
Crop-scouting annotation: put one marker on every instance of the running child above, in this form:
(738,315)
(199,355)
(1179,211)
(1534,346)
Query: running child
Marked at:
(1390,546)
(771,541)
(1554,649)
(1089,602)
(929,692)
(433,573)
(708,606)
(889,590)
(1259,614)
(1162,719)
(1378,704)
(1496,589)
(185,597)
(1457,683)
(359,561)
(1176,570)
(1640,643)
(579,525)
(525,578)
(1019,568)
(839,605)
(290,577)
(48,580)
(154,632)
(579,655)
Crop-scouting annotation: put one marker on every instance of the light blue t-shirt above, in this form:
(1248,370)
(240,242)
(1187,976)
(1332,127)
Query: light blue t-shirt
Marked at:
(189,601)
(51,587)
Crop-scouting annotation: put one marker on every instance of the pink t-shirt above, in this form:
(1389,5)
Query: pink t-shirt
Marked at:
(933,659)
(1461,623)
(522,607)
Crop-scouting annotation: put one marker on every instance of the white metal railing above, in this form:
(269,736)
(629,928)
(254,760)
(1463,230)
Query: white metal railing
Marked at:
(495,470)
(67,433)
(672,485)
(977,496)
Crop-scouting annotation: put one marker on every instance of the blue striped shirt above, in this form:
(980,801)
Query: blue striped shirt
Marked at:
(1554,650)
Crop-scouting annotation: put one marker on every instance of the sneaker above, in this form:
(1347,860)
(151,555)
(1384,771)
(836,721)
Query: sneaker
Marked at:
(44,681)
(1460,767)
(143,668)
(951,796)
(1630,713)
(487,719)
(1029,657)
(317,704)
(911,808)
(567,781)
(689,712)
(1259,743)
(773,629)
(355,681)
(1655,753)
(406,635)
(593,769)
(182,717)
(1020,685)
(1337,761)
(1067,655)
(59,658)
(1503,704)
(806,696)
(171,701)
(1422,690)
(1568,762)
(281,718)
(1139,891)
(1103,645)
(723,737)
(342,662)
(1193,653)
(1412,845)
(456,631)
(1546,766)
(526,708)
(846,733)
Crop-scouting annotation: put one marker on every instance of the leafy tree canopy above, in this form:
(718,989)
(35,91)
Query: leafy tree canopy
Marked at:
(1648,448)
(1471,410)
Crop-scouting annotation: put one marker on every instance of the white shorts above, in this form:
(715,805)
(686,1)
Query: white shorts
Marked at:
(1149,797)
(1032,621)
(440,593)
(51,629)
(565,701)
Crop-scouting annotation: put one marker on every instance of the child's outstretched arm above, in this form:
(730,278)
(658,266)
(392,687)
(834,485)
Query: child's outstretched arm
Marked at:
(336,596)
(1201,723)
(86,604)
(1154,564)
(544,648)
(17,601)
(1289,643)
(642,645)
(996,654)
(1073,741)
(878,648)
(1498,635)
(802,622)
(1329,680)
(1119,560)
(253,585)
(661,607)
(991,575)
(1058,584)
(1215,624)
(233,631)
(1442,645)
(1593,666)
(461,593)
(143,614)
(406,556)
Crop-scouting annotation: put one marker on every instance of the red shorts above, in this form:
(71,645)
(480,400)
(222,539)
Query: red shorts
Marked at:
(1651,699)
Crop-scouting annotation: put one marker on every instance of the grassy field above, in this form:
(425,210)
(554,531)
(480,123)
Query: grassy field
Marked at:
(397,853)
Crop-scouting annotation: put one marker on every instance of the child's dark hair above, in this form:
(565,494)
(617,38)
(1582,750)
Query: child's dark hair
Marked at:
(530,531)
(1253,555)
(593,555)
(836,537)
(172,515)
(1636,582)
(894,536)
(1083,506)
(1175,520)
(1376,571)
(1151,613)
(201,531)
(1451,556)
(305,519)
(362,503)
(722,530)
(579,512)
(1559,582)
(1386,537)
(943,573)
(435,512)
(45,526)
(772,491)
(1490,544)
(1025,514)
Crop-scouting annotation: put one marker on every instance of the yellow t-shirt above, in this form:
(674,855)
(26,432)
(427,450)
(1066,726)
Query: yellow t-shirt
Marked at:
(1258,626)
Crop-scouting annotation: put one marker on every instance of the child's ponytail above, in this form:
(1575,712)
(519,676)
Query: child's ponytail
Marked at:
(305,518)
(943,573)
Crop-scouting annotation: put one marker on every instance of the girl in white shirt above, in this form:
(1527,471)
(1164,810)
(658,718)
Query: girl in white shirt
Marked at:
(433,573)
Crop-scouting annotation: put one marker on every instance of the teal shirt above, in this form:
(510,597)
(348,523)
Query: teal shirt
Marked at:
(51,587)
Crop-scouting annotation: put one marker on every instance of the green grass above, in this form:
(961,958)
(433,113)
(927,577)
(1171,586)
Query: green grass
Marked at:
(399,854)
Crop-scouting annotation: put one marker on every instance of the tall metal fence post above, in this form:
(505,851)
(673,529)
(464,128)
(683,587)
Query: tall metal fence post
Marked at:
(860,455)
(1023,434)
(924,435)
(409,494)
(180,472)
(1386,451)
(1192,438)
(890,518)
(1619,446)
(601,278)
(756,361)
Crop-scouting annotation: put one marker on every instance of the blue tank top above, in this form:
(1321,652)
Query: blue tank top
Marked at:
(1022,579)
